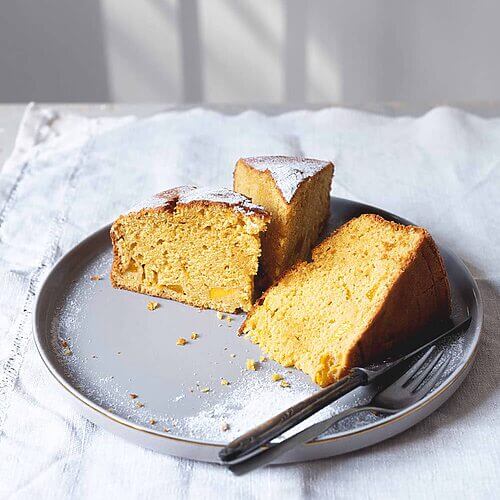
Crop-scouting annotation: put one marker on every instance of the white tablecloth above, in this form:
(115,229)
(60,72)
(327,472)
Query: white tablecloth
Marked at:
(70,175)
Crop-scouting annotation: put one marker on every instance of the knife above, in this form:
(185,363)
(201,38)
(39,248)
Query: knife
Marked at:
(357,377)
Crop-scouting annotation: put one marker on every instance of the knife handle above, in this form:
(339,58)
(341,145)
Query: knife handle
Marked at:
(275,426)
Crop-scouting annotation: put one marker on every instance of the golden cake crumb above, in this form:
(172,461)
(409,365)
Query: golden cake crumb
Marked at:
(224,426)
(67,351)
(194,336)
(152,421)
(297,216)
(181,341)
(250,364)
(133,395)
(284,383)
(220,315)
(223,381)
(262,359)
(199,246)
(205,389)
(229,319)
(96,277)
(138,404)
(356,290)
(153,305)
(276,377)
(166,429)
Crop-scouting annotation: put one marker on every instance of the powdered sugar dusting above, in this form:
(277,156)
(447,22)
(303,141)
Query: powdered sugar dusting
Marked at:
(161,199)
(255,398)
(287,171)
(109,346)
(188,194)
(220,195)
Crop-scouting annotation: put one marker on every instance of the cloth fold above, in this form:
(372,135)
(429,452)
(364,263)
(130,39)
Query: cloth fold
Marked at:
(69,175)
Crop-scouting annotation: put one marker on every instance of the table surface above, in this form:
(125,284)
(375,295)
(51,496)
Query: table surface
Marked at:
(444,175)
(11,114)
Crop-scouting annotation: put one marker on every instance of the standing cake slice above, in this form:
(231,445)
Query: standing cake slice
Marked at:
(200,246)
(371,285)
(296,193)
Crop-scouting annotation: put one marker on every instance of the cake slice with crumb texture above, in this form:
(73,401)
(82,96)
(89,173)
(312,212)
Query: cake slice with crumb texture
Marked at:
(200,246)
(296,193)
(370,286)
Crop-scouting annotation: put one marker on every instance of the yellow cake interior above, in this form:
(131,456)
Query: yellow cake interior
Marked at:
(295,225)
(317,312)
(204,255)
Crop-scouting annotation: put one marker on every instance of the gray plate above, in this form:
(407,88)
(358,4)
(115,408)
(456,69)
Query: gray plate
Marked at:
(116,347)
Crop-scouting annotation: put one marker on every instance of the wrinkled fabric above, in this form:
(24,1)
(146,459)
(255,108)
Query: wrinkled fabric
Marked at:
(69,175)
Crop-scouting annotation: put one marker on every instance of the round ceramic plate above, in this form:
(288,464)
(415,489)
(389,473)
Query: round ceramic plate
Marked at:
(119,362)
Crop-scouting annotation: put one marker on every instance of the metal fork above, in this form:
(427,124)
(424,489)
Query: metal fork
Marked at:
(409,388)
(258,437)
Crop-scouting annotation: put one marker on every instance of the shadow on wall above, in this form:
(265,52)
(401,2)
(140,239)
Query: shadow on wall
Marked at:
(52,50)
(409,51)
(229,51)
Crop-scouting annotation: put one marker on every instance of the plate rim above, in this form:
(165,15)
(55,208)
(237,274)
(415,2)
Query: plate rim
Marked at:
(456,376)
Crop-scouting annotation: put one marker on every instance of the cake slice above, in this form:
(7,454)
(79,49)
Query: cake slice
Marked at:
(296,193)
(371,285)
(195,245)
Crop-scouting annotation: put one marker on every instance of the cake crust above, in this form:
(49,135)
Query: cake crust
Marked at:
(418,296)
(296,193)
(169,199)
(166,243)
(288,172)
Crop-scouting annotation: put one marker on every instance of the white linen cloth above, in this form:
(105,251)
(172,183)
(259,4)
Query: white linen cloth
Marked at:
(69,175)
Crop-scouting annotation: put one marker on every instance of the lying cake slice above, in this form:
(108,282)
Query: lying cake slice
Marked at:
(195,245)
(296,193)
(370,285)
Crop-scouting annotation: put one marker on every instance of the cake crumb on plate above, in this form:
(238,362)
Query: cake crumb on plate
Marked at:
(250,364)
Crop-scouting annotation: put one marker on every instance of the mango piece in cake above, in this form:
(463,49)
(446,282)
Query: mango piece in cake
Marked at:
(200,246)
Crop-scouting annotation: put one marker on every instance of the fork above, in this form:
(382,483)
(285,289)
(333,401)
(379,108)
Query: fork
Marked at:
(409,388)
(263,434)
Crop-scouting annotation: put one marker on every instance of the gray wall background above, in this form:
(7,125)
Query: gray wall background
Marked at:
(249,51)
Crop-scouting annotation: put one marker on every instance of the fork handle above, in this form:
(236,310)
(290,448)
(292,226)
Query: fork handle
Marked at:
(270,454)
(275,426)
